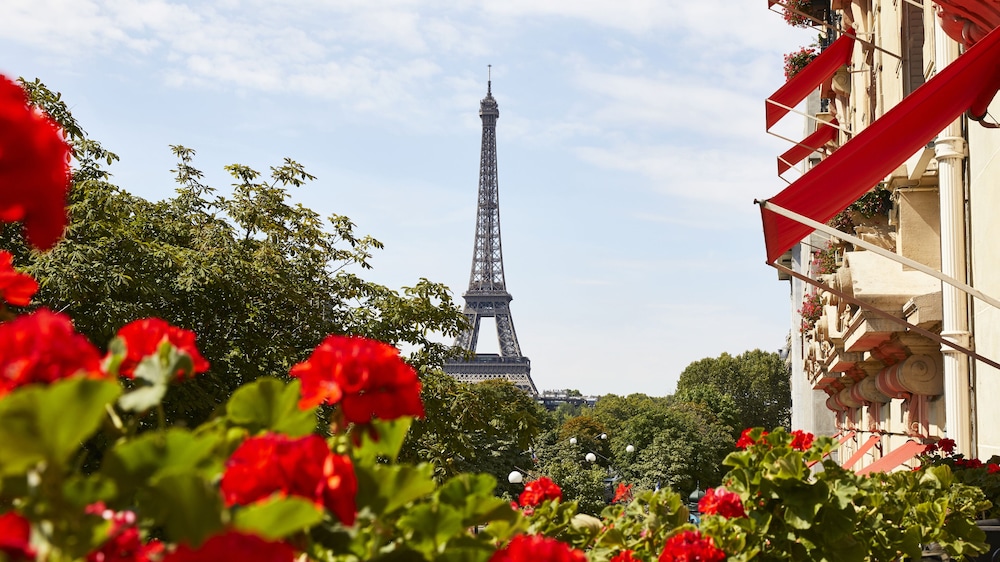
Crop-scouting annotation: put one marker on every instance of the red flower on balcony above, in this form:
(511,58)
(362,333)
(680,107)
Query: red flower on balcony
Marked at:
(15,537)
(796,13)
(691,546)
(798,60)
(16,288)
(143,337)
(367,378)
(305,467)
(802,440)
(537,547)
(747,440)
(233,545)
(538,491)
(718,501)
(34,168)
(43,348)
(625,556)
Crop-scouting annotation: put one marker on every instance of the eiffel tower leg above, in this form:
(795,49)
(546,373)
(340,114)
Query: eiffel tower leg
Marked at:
(469,337)
(506,335)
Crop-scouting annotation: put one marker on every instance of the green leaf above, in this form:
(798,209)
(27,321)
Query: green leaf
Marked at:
(430,526)
(143,398)
(473,495)
(385,488)
(278,517)
(48,423)
(85,490)
(270,404)
(187,506)
(387,441)
(155,454)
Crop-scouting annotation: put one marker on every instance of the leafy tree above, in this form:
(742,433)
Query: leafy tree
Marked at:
(259,279)
(756,380)
(486,427)
(579,480)
(713,404)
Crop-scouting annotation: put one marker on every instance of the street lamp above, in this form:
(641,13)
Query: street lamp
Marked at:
(515,477)
(630,449)
(591,457)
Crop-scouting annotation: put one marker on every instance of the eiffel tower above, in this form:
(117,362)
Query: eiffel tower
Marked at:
(487,295)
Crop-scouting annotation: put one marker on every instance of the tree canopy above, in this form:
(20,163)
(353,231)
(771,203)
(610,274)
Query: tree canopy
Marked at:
(757,381)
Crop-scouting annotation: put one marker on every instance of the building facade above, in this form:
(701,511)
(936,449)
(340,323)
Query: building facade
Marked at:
(887,231)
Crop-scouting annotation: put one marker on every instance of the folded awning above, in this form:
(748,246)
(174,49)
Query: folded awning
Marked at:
(823,134)
(808,79)
(861,451)
(898,456)
(847,436)
(843,177)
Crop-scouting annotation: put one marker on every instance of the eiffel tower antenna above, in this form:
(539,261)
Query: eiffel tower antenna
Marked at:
(487,295)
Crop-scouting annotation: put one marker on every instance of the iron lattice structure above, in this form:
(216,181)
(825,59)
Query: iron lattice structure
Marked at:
(487,295)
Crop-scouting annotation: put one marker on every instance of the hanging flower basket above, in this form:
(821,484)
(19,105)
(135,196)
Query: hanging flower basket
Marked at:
(797,60)
(803,13)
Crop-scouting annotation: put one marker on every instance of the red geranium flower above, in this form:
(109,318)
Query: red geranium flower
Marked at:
(947,445)
(992,468)
(746,440)
(537,491)
(969,463)
(34,168)
(622,493)
(124,543)
(625,556)
(537,548)
(691,546)
(15,537)
(233,545)
(43,347)
(16,288)
(802,440)
(367,378)
(718,501)
(143,337)
(304,467)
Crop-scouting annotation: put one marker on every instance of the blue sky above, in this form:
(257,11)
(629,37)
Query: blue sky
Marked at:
(631,146)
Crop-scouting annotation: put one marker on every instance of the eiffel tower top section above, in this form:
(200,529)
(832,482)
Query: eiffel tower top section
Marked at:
(487,257)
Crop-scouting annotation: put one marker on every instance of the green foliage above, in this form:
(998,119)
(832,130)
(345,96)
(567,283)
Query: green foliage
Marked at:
(486,427)
(271,405)
(757,381)
(877,202)
(33,423)
(834,514)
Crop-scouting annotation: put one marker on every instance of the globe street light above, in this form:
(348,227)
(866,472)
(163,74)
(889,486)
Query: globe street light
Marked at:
(515,477)
(572,440)
(630,449)
(591,457)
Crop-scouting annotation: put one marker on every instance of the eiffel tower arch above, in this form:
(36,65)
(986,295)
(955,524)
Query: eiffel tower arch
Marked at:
(487,296)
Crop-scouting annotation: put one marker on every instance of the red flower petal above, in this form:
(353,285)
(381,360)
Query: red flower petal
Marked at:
(34,168)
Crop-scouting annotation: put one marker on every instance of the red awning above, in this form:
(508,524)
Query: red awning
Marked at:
(823,134)
(808,79)
(861,451)
(846,437)
(895,458)
(837,181)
